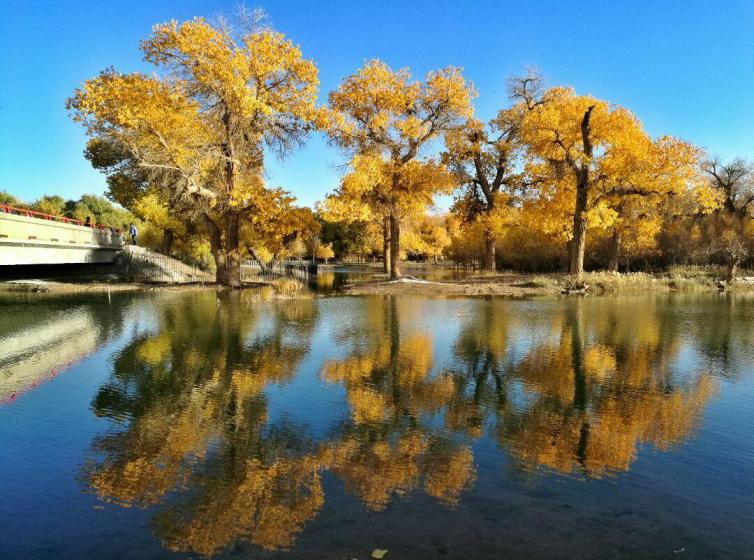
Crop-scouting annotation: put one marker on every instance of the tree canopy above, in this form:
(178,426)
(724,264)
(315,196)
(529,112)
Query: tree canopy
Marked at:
(200,131)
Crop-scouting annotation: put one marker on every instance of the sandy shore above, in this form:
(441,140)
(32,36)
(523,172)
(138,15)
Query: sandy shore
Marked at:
(51,286)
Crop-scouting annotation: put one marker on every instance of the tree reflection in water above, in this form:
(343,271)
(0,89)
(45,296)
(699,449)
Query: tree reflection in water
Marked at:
(389,446)
(598,381)
(192,396)
(575,387)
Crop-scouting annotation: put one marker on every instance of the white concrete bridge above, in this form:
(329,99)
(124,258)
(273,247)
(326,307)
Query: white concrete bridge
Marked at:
(34,238)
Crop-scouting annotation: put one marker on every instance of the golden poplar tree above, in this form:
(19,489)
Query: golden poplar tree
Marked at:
(590,154)
(374,191)
(485,160)
(201,127)
(384,114)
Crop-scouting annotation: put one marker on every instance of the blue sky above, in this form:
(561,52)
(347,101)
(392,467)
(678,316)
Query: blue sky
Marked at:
(685,68)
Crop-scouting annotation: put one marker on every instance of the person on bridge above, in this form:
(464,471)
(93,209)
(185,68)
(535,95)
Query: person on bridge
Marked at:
(132,233)
(88,221)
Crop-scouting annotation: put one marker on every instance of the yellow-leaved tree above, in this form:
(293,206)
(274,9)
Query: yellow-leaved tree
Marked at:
(590,157)
(385,117)
(375,191)
(325,252)
(201,126)
(651,184)
(486,161)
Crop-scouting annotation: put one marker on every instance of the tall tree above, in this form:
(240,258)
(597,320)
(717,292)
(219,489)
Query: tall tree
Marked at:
(734,183)
(485,161)
(373,191)
(667,169)
(385,115)
(591,154)
(202,129)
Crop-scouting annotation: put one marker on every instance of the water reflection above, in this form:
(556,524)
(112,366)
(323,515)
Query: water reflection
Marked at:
(36,347)
(388,447)
(192,397)
(572,386)
(596,389)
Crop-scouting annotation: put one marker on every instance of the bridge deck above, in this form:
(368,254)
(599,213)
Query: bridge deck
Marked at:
(28,238)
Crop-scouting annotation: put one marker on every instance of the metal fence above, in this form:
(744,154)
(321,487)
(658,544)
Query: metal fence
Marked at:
(302,271)
(151,266)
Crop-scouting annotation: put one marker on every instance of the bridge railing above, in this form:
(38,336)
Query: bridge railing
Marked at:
(8,209)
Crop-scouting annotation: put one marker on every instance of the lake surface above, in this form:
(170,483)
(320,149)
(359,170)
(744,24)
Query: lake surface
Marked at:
(193,424)
(333,278)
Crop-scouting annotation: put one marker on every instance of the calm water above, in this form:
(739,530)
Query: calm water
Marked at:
(174,424)
(331,279)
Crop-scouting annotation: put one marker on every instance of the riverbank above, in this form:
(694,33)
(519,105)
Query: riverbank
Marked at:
(691,279)
(282,288)
(503,284)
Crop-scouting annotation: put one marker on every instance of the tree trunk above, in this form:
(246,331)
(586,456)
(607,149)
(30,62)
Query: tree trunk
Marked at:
(167,241)
(386,246)
(732,269)
(614,251)
(489,252)
(395,246)
(578,241)
(578,244)
(264,267)
(231,257)
(216,247)
(232,251)
(225,250)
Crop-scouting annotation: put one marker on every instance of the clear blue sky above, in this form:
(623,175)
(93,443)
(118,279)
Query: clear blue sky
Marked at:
(684,67)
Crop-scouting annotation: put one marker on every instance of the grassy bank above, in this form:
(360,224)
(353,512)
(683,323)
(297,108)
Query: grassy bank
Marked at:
(506,284)
(281,288)
(511,284)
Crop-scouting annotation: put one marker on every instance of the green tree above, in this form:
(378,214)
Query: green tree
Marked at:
(50,204)
(10,200)
(100,210)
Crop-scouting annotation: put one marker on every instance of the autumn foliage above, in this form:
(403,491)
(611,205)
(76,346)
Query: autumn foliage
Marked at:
(556,179)
(200,132)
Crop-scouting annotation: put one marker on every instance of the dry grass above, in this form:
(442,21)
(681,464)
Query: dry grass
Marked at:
(612,283)
(537,282)
(685,279)
(287,287)
(677,278)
